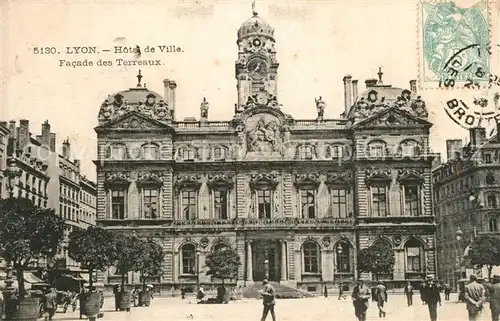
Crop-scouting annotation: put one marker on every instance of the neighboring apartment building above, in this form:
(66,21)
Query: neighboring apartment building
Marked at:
(50,179)
(296,198)
(466,199)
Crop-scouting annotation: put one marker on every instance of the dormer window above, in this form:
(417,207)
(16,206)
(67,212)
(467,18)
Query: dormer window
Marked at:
(409,148)
(219,153)
(188,154)
(306,152)
(487,158)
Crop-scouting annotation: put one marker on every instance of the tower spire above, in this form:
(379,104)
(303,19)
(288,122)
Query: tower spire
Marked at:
(254,11)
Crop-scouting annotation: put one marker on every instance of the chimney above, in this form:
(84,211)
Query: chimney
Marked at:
(45,141)
(454,148)
(66,149)
(413,86)
(12,129)
(347,93)
(477,136)
(354,90)
(170,87)
(52,142)
(24,133)
(77,163)
(370,82)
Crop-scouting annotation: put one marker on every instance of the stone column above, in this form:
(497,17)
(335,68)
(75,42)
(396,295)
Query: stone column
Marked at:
(283,261)
(249,270)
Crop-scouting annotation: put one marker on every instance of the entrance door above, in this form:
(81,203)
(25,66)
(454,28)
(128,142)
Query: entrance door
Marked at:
(266,250)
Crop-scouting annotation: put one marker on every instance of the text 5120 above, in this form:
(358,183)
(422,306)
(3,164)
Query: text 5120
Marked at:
(45,50)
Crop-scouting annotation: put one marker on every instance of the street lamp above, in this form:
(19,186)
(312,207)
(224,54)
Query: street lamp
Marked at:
(339,266)
(459,236)
(198,252)
(266,265)
(12,172)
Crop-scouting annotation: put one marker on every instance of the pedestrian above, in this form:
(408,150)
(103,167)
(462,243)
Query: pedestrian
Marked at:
(408,291)
(183,292)
(268,300)
(494,294)
(474,298)
(341,292)
(360,297)
(50,304)
(200,295)
(447,291)
(381,295)
(325,291)
(431,296)
(422,291)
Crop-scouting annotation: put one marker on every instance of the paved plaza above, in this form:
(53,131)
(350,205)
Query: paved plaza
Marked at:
(175,309)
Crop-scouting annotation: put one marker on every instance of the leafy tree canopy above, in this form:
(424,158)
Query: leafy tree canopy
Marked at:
(93,248)
(377,259)
(223,263)
(28,232)
(151,259)
(128,253)
(485,250)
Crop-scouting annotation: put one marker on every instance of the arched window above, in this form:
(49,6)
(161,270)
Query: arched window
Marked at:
(150,151)
(188,253)
(493,224)
(376,148)
(311,257)
(382,276)
(219,246)
(414,251)
(343,254)
(219,153)
(306,152)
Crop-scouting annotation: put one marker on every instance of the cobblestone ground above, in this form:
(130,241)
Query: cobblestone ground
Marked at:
(174,309)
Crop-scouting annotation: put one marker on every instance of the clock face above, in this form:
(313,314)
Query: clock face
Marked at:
(256,42)
(257,68)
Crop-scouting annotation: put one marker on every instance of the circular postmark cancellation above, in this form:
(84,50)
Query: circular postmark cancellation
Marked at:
(481,106)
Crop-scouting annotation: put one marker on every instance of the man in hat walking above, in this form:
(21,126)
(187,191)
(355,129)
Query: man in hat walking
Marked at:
(360,297)
(474,298)
(494,291)
(268,299)
(381,296)
(430,295)
(408,291)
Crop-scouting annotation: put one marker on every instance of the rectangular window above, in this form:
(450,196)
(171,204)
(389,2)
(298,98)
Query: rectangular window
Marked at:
(308,203)
(189,205)
(376,150)
(220,204)
(339,203)
(149,152)
(413,259)
(188,260)
(379,201)
(188,154)
(118,152)
(412,207)
(118,204)
(491,201)
(264,203)
(336,151)
(219,153)
(150,203)
(306,152)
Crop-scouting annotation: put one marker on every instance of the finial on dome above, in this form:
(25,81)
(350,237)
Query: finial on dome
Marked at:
(139,77)
(255,13)
(380,74)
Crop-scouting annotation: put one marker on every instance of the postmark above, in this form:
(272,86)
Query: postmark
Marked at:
(453,43)
(477,103)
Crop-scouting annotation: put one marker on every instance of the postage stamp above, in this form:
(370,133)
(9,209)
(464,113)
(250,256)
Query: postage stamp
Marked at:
(453,46)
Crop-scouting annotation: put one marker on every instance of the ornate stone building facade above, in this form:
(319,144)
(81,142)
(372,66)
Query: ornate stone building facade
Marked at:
(295,198)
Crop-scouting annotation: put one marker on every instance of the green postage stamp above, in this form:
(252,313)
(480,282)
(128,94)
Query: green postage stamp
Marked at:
(454,44)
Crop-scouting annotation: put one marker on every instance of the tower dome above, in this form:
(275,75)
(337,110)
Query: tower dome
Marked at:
(255,26)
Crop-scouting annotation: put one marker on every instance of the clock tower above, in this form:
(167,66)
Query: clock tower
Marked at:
(256,67)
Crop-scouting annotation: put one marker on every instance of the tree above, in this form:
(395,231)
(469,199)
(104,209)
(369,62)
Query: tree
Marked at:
(150,262)
(377,259)
(223,264)
(127,255)
(27,234)
(485,251)
(93,248)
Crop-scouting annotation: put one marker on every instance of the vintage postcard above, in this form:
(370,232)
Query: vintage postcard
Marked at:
(290,160)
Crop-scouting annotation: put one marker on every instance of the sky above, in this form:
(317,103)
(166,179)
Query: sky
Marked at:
(317,43)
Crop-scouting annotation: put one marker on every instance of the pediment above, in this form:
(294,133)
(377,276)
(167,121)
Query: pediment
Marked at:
(263,180)
(117,180)
(188,181)
(220,181)
(339,178)
(411,176)
(378,176)
(149,179)
(134,121)
(392,117)
(311,179)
